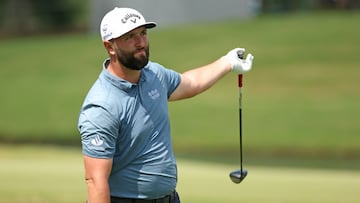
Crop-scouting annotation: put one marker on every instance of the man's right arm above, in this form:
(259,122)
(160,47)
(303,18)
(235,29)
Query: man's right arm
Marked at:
(97,173)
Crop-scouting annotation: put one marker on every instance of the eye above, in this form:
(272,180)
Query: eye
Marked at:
(128,36)
(144,33)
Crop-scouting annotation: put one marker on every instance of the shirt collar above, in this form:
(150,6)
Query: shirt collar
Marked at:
(117,81)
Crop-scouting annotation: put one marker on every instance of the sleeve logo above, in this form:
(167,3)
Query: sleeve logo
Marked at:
(97,141)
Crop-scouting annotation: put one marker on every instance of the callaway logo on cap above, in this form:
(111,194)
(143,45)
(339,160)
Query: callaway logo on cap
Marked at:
(120,21)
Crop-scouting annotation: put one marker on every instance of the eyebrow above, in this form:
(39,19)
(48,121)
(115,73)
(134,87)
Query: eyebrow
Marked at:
(141,29)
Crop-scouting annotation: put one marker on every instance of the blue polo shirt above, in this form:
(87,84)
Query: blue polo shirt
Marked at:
(130,124)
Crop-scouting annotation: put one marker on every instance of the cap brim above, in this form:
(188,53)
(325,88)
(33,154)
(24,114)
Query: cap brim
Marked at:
(150,25)
(147,25)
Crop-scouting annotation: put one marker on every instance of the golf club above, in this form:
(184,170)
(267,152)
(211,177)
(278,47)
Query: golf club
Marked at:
(238,175)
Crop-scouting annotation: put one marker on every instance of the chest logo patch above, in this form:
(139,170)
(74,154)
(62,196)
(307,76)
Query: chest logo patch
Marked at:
(154,94)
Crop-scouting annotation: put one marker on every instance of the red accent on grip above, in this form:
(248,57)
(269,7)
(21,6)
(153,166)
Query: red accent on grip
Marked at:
(240,77)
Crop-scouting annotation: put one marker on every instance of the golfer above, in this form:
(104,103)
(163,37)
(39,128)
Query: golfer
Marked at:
(124,122)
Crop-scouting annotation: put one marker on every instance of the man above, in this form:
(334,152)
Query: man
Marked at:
(124,123)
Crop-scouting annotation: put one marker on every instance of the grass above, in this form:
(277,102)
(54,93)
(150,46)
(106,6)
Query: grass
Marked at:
(36,174)
(301,98)
(39,174)
(201,182)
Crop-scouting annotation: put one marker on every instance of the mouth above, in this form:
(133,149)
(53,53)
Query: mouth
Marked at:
(139,54)
(140,51)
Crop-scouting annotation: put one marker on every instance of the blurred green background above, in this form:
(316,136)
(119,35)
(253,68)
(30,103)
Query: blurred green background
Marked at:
(300,108)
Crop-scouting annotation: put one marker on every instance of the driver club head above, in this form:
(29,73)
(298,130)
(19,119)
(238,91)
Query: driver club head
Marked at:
(238,175)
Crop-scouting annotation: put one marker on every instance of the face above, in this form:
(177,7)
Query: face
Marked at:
(132,49)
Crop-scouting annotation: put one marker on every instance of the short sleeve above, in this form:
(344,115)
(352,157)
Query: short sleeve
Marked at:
(98,130)
(174,80)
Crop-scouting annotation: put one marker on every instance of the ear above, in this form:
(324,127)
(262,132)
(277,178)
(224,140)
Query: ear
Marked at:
(110,48)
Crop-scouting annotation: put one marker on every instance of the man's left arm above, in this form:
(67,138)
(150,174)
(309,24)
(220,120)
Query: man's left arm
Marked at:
(196,81)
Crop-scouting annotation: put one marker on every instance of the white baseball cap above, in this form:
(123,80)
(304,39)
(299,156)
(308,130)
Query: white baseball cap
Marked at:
(120,21)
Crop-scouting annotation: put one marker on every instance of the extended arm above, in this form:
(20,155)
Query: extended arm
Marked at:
(97,172)
(196,81)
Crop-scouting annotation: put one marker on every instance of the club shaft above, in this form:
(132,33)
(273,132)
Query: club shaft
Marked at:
(240,130)
(240,120)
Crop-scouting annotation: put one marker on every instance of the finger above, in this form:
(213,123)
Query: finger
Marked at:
(249,57)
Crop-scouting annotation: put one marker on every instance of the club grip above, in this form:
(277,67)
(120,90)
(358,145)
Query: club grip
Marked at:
(240,79)
(240,54)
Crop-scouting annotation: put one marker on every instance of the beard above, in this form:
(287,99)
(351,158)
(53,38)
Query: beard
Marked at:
(130,61)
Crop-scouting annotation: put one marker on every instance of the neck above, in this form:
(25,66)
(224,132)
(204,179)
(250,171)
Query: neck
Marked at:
(122,72)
